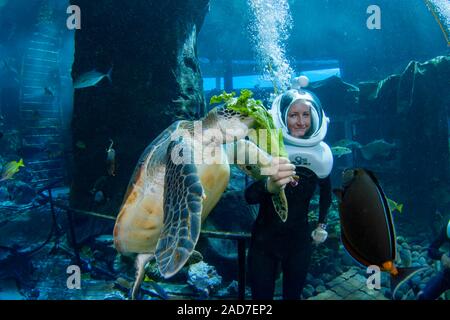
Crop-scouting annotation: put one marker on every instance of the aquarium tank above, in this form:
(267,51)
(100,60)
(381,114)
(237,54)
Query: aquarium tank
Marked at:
(224,150)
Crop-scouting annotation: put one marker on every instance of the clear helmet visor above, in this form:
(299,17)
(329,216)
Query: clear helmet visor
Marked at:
(318,121)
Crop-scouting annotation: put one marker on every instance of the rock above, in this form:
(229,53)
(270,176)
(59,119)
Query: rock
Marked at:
(406,257)
(422,261)
(203,278)
(327,277)
(309,278)
(320,289)
(405,245)
(400,240)
(417,247)
(307,293)
(232,289)
(4,194)
(347,260)
(21,193)
(338,270)
(317,282)
(416,280)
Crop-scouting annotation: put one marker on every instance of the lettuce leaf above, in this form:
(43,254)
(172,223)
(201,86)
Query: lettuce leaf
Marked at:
(255,109)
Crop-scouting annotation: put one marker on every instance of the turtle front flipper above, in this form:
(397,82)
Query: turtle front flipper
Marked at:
(183,203)
(257,163)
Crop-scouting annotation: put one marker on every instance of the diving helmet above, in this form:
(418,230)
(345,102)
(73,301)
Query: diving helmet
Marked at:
(309,151)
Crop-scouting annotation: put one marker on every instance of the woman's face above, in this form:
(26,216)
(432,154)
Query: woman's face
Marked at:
(299,119)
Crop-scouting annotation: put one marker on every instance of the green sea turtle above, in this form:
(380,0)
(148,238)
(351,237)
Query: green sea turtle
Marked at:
(167,200)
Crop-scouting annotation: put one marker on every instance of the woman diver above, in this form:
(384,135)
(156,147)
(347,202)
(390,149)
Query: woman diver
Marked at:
(300,116)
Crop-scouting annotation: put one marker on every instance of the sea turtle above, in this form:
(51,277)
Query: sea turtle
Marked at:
(167,199)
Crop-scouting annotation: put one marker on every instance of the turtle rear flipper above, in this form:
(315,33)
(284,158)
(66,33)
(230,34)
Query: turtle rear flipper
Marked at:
(183,203)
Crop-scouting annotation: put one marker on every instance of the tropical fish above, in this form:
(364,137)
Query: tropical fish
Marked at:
(340,151)
(346,143)
(80,144)
(394,205)
(377,148)
(111,159)
(367,228)
(91,78)
(10,169)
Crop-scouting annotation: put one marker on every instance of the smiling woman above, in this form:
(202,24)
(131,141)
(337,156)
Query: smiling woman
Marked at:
(298,119)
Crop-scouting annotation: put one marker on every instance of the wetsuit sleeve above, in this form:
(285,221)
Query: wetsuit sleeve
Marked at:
(256,192)
(325,198)
(433,251)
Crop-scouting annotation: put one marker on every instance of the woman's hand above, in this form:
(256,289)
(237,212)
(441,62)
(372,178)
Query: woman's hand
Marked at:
(319,235)
(283,173)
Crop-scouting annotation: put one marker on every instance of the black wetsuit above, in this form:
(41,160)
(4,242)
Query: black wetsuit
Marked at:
(441,282)
(289,242)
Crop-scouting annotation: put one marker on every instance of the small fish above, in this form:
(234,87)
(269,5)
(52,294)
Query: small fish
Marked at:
(340,151)
(80,144)
(91,78)
(376,148)
(111,160)
(347,144)
(394,205)
(10,169)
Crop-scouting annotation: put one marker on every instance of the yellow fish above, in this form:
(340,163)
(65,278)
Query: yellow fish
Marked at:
(11,169)
(394,205)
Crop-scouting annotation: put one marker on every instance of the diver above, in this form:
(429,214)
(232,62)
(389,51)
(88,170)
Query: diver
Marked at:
(441,282)
(300,116)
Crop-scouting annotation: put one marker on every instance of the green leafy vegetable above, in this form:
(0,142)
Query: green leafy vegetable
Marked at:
(255,109)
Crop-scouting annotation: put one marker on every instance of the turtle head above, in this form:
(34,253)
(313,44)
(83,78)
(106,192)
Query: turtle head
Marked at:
(237,116)
(233,124)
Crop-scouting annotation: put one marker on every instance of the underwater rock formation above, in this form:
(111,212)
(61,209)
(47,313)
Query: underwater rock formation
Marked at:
(151,48)
(412,110)
(204,278)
